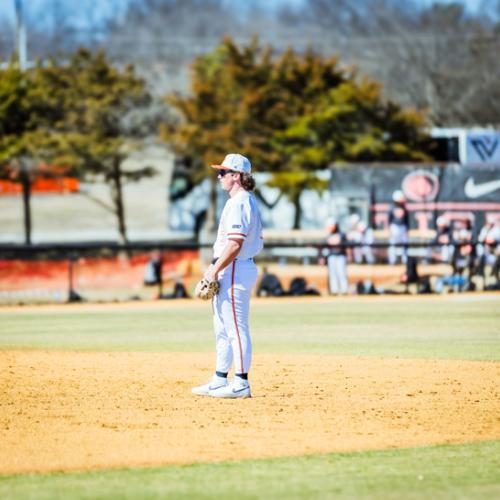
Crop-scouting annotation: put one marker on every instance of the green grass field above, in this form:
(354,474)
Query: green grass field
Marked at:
(410,327)
(456,328)
(465,471)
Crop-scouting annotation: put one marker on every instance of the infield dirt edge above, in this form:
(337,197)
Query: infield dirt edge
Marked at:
(75,411)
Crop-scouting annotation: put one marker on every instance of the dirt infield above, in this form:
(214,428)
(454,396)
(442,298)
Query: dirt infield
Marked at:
(62,411)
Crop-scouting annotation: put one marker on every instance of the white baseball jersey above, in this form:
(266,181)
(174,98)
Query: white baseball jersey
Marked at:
(240,220)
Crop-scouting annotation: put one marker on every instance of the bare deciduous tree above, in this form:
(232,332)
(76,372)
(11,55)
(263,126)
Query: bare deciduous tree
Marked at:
(440,58)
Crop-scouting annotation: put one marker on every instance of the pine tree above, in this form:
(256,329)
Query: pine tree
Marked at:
(102,124)
(291,115)
(25,131)
(82,115)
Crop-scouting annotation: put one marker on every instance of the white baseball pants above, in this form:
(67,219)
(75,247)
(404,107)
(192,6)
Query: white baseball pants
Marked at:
(397,235)
(230,310)
(337,274)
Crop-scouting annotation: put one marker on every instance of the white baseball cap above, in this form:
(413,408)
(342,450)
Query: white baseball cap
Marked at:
(331,222)
(235,162)
(442,221)
(354,219)
(398,196)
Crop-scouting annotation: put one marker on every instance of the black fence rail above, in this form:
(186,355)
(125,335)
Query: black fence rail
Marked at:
(102,248)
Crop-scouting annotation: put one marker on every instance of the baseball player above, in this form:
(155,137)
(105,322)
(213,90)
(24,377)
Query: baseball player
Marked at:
(354,236)
(367,238)
(444,239)
(337,259)
(488,241)
(239,240)
(398,227)
(362,235)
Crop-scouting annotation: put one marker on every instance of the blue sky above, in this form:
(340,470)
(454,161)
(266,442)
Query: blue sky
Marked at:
(107,8)
(101,8)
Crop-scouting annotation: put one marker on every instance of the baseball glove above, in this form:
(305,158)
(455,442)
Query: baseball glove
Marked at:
(206,289)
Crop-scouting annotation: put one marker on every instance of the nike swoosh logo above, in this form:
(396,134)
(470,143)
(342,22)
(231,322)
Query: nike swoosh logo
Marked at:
(473,190)
(235,391)
(218,387)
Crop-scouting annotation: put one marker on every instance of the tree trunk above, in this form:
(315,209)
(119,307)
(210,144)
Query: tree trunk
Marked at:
(298,211)
(117,195)
(26,184)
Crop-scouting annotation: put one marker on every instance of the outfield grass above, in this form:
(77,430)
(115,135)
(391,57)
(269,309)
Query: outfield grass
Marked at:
(454,329)
(463,471)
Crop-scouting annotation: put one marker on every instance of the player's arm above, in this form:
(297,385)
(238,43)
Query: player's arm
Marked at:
(230,252)
(238,225)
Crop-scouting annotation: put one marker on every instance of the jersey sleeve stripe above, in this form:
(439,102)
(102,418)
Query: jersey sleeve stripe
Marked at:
(237,234)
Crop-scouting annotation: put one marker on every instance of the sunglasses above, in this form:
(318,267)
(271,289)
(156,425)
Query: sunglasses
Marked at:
(222,173)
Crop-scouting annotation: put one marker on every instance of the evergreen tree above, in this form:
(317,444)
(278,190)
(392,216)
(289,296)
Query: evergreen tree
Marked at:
(25,132)
(102,122)
(292,115)
(83,115)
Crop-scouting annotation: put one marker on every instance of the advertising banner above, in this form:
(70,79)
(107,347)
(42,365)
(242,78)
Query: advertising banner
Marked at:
(483,148)
(453,190)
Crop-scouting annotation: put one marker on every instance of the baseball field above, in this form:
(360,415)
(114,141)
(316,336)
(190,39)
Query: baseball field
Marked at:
(366,397)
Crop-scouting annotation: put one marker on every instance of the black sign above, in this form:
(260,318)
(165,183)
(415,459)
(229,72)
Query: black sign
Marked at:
(455,191)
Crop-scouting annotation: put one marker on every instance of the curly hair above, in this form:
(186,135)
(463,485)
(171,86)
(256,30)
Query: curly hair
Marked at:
(247,181)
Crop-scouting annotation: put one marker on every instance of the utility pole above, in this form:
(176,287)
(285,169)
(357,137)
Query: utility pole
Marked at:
(21,45)
(21,49)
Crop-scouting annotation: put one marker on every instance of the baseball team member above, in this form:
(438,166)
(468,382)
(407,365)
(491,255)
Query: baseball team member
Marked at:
(337,259)
(398,227)
(444,239)
(239,240)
